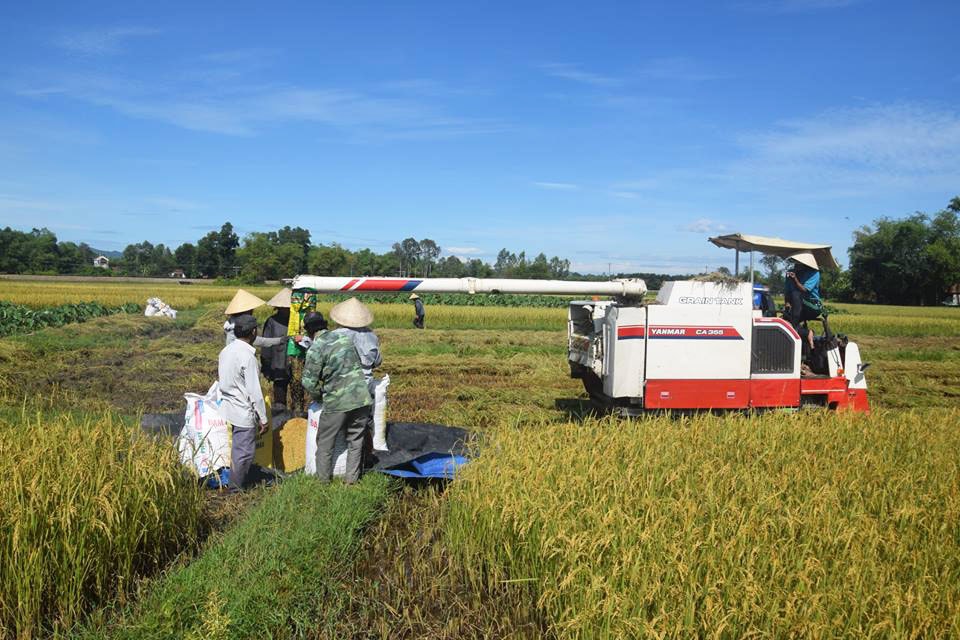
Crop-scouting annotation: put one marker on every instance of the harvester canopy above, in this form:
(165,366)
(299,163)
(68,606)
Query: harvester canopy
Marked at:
(777,247)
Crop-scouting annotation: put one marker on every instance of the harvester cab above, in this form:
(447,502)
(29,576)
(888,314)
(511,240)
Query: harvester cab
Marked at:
(703,344)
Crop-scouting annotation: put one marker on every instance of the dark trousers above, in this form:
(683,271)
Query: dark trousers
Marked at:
(280,392)
(243,448)
(329,425)
(298,396)
(799,312)
(418,322)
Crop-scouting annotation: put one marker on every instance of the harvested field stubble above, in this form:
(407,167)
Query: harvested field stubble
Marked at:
(774,526)
(86,508)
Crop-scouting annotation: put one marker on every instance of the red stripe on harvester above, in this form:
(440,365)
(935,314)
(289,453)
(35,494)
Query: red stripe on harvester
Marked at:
(347,286)
(373,284)
(630,332)
(779,321)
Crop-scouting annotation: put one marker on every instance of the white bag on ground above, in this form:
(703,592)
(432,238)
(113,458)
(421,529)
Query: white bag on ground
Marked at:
(204,441)
(380,413)
(339,447)
(157,307)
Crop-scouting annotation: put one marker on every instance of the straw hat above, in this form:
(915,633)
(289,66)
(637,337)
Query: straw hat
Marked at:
(413,296)
(352,313)
(243,301)
(805,258)
(281,299)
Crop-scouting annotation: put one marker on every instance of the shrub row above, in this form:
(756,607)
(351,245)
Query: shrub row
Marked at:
(16,318)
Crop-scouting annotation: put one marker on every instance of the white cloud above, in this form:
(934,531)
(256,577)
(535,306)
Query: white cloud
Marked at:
(464,251)
(854,152)
(99,42)
(704,225)
(557,186)
(574,73)
(234,108)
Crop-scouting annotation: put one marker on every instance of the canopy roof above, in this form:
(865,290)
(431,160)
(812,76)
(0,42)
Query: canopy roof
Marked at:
(777,247)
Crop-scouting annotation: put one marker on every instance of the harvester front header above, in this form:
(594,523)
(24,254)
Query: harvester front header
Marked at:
(617,288)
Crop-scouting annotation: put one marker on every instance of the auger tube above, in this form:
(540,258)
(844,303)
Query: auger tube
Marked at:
(336,284)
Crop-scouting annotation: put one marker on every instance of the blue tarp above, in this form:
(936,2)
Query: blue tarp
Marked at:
(430,465)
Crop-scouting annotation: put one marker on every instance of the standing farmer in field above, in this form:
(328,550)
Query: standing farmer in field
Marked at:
(243,304)
(333,375)
(242,398)
(273,360)
(419,313)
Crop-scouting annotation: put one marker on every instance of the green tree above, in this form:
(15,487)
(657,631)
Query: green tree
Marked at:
(216,252)
(330,260)
(450,267)
(186,258)
(227,244)
(258,258)
(559,268)
(907,261)
(429,252)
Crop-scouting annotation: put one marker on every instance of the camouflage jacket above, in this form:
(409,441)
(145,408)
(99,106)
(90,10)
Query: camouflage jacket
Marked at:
(332,373)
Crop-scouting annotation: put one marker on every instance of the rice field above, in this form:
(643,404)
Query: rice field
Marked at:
(86,507)
(809,525)
(778,525)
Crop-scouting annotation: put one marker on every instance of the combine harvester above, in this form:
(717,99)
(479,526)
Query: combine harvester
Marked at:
(700,346)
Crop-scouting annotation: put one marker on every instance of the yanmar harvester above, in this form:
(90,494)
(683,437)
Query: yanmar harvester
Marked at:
(701,345)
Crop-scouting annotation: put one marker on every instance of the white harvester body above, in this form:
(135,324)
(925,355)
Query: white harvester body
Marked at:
(700,345)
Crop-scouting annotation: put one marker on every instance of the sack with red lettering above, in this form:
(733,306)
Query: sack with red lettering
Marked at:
(339,446)
(204,441)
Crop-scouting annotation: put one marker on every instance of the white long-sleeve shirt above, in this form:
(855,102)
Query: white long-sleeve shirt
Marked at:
(239,373)
(259,341)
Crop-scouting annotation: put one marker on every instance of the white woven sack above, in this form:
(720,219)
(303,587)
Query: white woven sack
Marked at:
(380,413)
(204,441)
(339,447)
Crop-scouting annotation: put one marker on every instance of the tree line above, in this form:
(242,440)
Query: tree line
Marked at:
(262,256)
(911,260)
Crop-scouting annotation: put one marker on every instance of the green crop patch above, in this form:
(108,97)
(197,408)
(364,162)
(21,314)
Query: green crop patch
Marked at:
(277,573)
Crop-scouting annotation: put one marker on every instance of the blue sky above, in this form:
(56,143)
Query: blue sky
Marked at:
(608,133)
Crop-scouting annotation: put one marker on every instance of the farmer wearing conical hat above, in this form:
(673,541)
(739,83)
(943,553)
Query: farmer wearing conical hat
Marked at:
(353,319)
(419,313)
(243,304)
(274,362)
(333,375)
(802,293)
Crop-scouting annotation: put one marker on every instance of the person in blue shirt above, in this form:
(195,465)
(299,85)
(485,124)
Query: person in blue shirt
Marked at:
(802,292)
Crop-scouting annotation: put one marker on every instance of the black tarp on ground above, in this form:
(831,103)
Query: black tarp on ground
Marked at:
(406,440)
(410,440)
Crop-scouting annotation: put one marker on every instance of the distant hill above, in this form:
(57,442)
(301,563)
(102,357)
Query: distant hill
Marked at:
(110,254)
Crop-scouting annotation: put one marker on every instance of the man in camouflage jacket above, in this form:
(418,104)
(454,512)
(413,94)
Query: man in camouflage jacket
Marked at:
(333,376)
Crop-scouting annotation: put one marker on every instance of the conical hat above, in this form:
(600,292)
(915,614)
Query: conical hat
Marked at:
(413,296)
(243,301)
(352,313)
(806,258)
(281,299)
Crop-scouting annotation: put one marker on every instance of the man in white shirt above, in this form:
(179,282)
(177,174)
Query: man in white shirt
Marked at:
(242,402)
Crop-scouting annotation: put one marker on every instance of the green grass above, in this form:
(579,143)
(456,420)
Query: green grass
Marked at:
(275,574)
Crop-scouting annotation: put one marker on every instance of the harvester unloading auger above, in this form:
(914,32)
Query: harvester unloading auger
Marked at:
(700,345)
